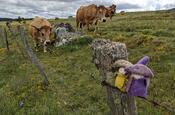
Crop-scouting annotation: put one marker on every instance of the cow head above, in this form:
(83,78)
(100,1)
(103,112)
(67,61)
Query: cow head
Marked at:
(111,11)
(101,13)
(44,33)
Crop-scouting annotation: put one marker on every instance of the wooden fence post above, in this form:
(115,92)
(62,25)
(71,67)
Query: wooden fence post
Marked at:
(14,36)
(32,56)
(2,37)
(5,39)
(105,53)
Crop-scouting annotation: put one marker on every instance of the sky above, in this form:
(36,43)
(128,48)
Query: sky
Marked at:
(65,8)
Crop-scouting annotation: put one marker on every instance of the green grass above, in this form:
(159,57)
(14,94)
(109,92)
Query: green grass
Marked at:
(72,89)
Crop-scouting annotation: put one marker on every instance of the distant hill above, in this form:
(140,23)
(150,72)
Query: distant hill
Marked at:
(6,19)
(173,9)
(12,19)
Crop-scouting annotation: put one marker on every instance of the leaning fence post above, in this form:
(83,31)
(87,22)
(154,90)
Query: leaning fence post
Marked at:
(2,37)
(32,56)
(105,53)
(5,38)
(14,36)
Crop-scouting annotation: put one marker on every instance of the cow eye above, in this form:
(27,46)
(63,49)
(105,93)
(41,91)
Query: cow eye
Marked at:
(42,34)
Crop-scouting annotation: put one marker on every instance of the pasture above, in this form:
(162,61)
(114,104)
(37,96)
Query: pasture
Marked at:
(74,87)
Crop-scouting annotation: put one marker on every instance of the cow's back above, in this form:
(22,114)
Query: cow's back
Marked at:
(91,12)
(86,13)
(40,22)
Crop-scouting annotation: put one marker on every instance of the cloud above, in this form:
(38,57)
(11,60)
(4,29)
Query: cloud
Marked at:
(127,6)
(65,8)
(169,6)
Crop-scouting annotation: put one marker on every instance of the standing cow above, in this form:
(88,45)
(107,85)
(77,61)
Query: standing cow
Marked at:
(88,15)
(40,30)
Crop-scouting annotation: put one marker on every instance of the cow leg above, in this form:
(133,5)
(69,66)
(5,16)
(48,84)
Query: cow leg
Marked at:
(81,26)
(45,47)
(96,26)
(36,45)
(88,26)
(35,40)
(78,25)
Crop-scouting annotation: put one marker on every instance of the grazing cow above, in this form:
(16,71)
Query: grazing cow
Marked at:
(88,15)
(40,30)
(111,11)
(122,13)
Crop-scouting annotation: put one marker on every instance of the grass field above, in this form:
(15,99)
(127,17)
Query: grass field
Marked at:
(72,89)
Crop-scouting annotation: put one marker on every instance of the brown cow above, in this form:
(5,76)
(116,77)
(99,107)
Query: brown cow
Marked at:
(111,11)
(40,30)
(88,15)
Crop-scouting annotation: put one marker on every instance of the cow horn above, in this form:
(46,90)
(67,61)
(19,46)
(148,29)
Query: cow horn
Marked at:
(39,29)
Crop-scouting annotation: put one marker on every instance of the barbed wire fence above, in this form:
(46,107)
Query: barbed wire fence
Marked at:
(25,49)
(105,53)
(14,35)
(31,55)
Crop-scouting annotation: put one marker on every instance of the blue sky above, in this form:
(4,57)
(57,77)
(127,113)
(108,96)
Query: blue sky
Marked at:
(64,8)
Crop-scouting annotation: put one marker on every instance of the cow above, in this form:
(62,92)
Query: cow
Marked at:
(40,30)
(122,13)
(111,11)
(89,15)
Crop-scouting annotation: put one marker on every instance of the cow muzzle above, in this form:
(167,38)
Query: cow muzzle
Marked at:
(104,20)
(47,42)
